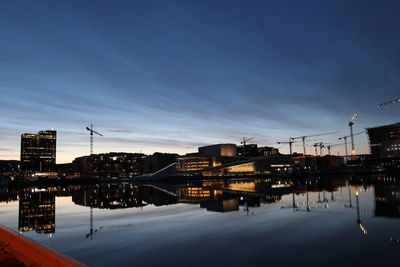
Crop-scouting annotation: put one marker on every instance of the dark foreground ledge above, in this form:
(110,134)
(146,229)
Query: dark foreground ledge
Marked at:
(18,250)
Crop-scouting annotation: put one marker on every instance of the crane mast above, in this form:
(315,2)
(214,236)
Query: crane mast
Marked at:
(320,145)
(345,141)
(304,137)
(330,146)
(91,152)
(290,144)
(244,143)
(91,136)
(351,123)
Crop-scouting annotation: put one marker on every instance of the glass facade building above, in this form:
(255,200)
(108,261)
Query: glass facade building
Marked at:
(38,151)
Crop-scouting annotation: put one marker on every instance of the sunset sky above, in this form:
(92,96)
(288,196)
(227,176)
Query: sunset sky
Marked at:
(170,76)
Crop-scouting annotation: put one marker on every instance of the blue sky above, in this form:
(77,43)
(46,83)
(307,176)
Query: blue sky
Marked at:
(173,75)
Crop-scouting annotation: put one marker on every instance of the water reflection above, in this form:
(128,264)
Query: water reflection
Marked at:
(37,211)
(387,200)
(109,196)
(37,206)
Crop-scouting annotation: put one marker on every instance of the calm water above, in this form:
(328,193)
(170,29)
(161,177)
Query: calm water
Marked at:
(215,223)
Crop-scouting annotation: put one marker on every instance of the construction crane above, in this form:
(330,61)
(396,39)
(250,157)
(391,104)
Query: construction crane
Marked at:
(290,144)
(91,230)
(91,152)
(244,143)
(91,137)
(394,101)
(304,137)
(345,140)
(330,146)
(351,123)
(246,140)
(320,145)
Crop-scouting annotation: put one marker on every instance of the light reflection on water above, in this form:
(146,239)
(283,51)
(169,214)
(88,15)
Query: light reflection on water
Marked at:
(236,222)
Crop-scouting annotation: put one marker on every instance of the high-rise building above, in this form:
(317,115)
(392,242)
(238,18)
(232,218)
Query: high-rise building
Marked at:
(385,141)
(38,151)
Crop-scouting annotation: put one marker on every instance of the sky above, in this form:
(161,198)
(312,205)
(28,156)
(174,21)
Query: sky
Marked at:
(169,76)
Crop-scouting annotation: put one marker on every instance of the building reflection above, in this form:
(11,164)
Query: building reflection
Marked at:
(157,197)
(37,207)
(221,205)
(110,196)
(7,195)
(387,200)
(37,212)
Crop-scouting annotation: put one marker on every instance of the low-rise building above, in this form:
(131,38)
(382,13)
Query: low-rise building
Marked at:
(218,150)
(108,165)
(158,161)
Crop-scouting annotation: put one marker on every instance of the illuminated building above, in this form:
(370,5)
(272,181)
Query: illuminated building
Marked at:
(254,165)
(193,194)
(38,151)
(242,186)
(193,163)
(222,159)
(248,167)
(37,212)
(385,141)
(113,164)
(219,150)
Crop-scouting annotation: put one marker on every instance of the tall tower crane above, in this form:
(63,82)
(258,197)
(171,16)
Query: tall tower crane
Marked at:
(330,146)
(290,144)
(91,137)
(345,141)
(246,140)
(244,143)
(353,118)
(394,101)
(320,145)
(304,137)
(91,152)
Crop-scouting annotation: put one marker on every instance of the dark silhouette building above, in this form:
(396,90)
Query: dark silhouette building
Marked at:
(158,161)
(385,148)
(385,141)
(9,166)
(253,150)
(38,151)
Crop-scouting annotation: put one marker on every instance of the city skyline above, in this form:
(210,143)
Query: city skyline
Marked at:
(171,76)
